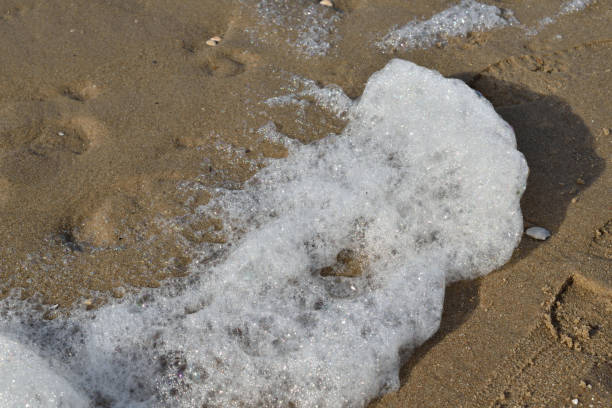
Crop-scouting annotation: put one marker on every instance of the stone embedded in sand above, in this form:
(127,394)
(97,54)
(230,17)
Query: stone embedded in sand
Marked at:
(326,3)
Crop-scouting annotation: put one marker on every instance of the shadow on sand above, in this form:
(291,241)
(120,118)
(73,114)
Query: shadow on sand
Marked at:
(559,150)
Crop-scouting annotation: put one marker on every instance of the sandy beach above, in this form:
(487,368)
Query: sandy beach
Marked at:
(146,109)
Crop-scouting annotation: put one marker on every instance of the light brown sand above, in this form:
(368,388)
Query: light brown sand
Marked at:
(140,101)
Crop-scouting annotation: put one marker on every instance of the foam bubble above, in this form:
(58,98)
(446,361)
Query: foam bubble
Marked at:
(457,21)
(336,265)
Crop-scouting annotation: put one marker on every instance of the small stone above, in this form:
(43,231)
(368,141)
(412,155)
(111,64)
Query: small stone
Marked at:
(216,38)
(60,133)
(606,131)
(575,401)
(539,233)
(574,200)
(326,3)
(579,180)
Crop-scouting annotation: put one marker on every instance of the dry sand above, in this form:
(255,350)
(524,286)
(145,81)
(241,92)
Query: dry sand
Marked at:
(106,106)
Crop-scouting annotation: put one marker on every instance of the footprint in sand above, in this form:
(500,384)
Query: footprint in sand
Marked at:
(76,135)
(81,90)
(228,62)
(565,356)
(221,63)
(222,66)
(220,59)
(601,245)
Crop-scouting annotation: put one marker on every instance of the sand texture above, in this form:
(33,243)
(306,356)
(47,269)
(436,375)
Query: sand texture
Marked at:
(111,111)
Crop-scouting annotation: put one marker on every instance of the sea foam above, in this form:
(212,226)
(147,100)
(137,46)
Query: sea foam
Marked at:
(27,380)
(422,188)
(457,21)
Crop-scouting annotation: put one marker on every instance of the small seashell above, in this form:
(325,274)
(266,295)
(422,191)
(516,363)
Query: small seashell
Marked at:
(212,41)
(539,233)
(326,3)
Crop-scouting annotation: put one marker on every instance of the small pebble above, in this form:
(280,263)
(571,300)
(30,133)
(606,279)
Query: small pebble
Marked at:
(539,233)
(606,131)
(579,181)
(326,3)
(575,401)
(60,133)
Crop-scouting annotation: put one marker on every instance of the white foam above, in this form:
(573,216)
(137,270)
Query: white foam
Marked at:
(457,21)
(27,380)
(424,182)
(312,27)
(568,7)
(572,6)
(330,98)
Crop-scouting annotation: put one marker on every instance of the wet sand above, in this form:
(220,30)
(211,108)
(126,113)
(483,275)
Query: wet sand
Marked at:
(112,113)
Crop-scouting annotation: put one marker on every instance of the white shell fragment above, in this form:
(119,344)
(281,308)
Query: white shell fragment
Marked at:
(212,41)
(539,233)
(326,3)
